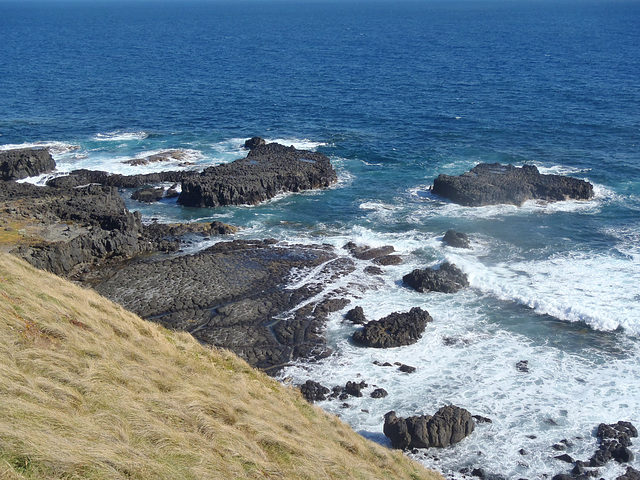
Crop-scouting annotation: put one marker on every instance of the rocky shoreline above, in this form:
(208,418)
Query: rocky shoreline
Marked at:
(259,298)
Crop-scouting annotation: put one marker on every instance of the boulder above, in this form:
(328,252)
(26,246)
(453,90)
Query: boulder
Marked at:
(630,474)
(356,315)
(492,184)
(148,195)
(394,330)
(267,171)
(313,391)
(254,142)
(447,279)
(25,162)
(456,239)
(447,426)
(614,442)
(379,393)
(363,252)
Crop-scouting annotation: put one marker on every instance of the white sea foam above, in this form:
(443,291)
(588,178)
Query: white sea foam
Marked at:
(299,143)
(600,290)
(55,148)
(119,136)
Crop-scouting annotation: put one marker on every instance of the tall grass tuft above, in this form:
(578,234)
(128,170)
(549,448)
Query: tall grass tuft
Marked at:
(91,391)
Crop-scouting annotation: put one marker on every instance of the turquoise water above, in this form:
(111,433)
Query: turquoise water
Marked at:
(394,93)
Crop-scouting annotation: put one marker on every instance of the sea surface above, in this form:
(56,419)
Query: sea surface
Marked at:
(395,93)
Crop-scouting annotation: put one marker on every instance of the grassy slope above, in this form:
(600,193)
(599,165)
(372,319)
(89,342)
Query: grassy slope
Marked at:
(89,390)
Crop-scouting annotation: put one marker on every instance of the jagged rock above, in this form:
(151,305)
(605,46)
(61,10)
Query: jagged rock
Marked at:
(621,432)
(456,239)
(166,156)
(230,295)
(615,440)
(406,368)
(363,252)
(148,195)
(84,177)
(491,184)
(523,366)
(481,419)
(562,476)
(448,426)
(394,330)
(313,391)
(387,260)
(354,388)
(266,171)
(379,393)
(447,279)
(630,474)
(172,191)
(372,270)
(564,458)
(25,162)
(254,142)
(356,315)
(166,230)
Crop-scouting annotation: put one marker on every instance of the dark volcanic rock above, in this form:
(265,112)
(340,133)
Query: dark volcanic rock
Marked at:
(456,239)
(254,142)
(313,391)
(491,184)
(266,171)
(356,315)
(523,366)
(362,252)
(85,177)
(406,368)
(173,230)
(379,393)
(394,330)
(25,162)
(630,474)
(148,195)
(447,279)
(449,425)
(234,295)
(354,388)
(614,442)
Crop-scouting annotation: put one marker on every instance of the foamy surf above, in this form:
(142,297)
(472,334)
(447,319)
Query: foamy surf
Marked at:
(119,136)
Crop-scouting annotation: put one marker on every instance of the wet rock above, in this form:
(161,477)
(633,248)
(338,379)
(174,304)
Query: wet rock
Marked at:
(492,184)
(379,393)
(456,239)
(523,366)
(372,270)
(313,391)
(447,279)
(25,162)
(231,296)
(559,447)
(562,476)
(165,156)
(174,230)
(267,171)
(615,440)
(387,260)
(148,195)
(394,330)
(254,142)
(630,474)
(85,177)
(564,458)
(354,388)
(406,368)
(481,419)
(363,252)
(447,426)
(356,315)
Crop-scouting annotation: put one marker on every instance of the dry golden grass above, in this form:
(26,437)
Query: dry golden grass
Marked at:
(89,390)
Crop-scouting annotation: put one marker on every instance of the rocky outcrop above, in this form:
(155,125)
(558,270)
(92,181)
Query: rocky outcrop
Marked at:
(447,426)
(235,295)
(615,440)
(356,315)
(266,171)
(148,195)
(492,184)
(174,230)
(313,391)
(630,474)
(166,156)
(85,177)
(25,162)
(394,330)
(254,142)
(456,239)
(446,279)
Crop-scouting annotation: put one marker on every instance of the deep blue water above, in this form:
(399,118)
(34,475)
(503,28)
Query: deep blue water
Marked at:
(395,92)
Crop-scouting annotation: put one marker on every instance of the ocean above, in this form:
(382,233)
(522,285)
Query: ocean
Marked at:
(395,93)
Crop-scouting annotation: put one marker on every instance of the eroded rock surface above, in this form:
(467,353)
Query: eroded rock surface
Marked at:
(447,426)
(236,295)
(25,162)
(446,279)
(394,330)
(268,169)
(492,184)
